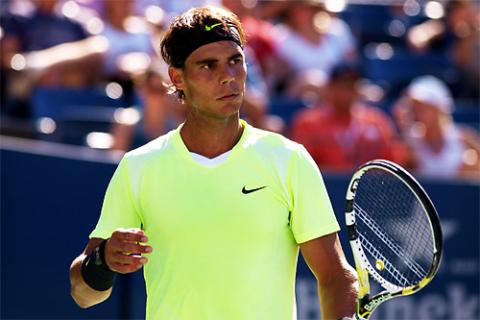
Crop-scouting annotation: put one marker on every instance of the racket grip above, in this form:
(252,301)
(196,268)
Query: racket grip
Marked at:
(356,316)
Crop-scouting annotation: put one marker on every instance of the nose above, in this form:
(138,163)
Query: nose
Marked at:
(227,76)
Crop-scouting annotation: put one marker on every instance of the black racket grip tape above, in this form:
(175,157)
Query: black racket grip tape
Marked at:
(352,232)
(349,206)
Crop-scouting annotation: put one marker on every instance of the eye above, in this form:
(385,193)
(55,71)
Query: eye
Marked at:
(236,60)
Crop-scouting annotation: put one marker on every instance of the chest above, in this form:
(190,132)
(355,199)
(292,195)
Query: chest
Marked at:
(210,204)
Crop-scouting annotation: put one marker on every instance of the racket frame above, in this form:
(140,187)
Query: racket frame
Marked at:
(367,303)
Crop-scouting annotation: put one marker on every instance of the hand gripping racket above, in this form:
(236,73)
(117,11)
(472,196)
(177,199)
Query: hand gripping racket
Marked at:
(394,232)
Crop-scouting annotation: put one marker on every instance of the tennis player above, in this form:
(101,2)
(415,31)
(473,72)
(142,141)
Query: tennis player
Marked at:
(215,210)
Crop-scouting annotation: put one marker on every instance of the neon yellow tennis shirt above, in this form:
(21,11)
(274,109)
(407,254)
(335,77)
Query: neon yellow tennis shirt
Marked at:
(225,239)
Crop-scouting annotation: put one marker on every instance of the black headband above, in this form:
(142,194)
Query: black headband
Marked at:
(197,37)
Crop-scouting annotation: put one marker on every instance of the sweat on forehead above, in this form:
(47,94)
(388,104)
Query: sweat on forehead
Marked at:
(198,27)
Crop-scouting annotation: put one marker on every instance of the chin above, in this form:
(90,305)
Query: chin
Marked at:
(231,108)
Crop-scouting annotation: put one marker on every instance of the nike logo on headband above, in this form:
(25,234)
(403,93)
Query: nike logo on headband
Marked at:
(208,28)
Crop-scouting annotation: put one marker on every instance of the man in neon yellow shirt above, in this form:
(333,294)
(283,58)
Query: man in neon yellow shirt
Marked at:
(219,207)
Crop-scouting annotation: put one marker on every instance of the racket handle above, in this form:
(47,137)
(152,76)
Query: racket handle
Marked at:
(356,316)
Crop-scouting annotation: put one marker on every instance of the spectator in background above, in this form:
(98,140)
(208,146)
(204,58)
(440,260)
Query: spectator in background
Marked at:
(439,146)
(310,38)
(458,34)
(42,29)
(344,132)
(124,40)
(69,67)
(162,112)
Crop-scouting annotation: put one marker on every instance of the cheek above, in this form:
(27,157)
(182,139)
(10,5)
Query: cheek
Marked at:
(423,115)
(241,72)
(198,84)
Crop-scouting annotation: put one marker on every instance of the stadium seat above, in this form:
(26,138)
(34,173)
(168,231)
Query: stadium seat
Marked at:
(394,73)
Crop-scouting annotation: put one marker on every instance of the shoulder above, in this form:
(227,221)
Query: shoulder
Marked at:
(272,146)
(153,150)
(281,154)
(258,138)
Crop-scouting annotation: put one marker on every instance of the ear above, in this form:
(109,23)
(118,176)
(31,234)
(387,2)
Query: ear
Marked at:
(176,76)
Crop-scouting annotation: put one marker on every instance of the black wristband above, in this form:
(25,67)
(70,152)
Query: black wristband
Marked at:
(95,271)
(100,256)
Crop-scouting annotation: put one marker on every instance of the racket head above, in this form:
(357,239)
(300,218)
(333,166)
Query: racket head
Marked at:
(394,232)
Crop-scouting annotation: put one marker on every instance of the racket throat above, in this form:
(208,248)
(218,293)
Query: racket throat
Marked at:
(362,312)
(367,305)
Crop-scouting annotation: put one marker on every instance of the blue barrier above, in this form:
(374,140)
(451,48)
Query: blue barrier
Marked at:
(50,203)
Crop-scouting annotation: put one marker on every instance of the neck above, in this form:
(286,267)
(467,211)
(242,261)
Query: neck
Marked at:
(210,137)
(342,112)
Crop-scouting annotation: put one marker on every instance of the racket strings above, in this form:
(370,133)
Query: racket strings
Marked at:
(389,267)
(394,221)
(395,248)
(399,210)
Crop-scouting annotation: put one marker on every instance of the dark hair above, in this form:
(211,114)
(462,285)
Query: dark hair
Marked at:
(195,28)
(346,70)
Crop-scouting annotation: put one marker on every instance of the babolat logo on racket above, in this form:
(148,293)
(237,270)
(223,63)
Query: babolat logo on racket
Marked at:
(376,301)
(208,28)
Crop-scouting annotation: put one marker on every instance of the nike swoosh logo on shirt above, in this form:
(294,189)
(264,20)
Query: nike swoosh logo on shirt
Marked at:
(247,191)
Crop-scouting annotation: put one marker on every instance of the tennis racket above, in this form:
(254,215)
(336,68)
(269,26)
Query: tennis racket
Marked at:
(394,232)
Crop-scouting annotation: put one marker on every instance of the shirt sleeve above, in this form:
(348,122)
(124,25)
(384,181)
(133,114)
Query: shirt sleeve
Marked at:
(312,215)
(119,209)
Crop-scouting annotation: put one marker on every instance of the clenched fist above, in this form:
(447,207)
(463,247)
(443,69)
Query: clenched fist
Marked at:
(123,251)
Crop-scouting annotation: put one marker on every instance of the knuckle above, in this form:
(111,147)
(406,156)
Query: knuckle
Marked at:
(108,244)
(131,248)
(116,234)
(121,258)
(126,247)
(112,245)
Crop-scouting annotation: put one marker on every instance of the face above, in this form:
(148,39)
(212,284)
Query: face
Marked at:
(342,93)
(213,79)
(425,113)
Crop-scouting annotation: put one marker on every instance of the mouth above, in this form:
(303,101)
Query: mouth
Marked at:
(228,97)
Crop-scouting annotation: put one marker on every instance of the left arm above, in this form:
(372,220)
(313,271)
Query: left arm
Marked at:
(336,279)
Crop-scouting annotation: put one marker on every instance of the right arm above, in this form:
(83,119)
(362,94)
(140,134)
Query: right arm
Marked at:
(81,292)
(122,254)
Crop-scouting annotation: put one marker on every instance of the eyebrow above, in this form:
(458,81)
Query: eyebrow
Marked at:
(214,60)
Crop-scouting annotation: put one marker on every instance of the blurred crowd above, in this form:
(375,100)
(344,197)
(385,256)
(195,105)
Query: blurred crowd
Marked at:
(397,80)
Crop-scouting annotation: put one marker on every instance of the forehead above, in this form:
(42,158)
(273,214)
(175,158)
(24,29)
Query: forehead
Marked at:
(215,50)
